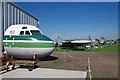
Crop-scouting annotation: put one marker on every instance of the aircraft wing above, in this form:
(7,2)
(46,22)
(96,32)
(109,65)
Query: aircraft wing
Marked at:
(74,44)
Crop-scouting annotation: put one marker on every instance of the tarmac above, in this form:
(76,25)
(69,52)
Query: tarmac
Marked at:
(44,73)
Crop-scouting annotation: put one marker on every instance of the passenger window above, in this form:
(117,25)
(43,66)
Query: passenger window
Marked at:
(21,32)
(27,33)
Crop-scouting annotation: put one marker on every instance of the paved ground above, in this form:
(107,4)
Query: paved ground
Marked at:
(44,73)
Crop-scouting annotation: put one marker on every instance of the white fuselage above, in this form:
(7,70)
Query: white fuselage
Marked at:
(27,42)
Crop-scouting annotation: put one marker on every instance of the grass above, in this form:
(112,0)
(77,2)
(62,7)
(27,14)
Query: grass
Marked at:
(110,48)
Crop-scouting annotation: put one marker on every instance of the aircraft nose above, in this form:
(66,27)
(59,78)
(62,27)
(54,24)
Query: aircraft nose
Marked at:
(49,41)
(43,41)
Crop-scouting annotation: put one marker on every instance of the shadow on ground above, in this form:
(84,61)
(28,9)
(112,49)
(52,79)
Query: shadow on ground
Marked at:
(49,58)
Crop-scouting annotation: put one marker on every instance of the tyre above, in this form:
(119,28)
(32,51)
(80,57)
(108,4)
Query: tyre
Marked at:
(30,68)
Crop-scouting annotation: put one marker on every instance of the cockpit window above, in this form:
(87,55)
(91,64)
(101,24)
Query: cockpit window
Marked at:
(27,33)
(24,27)
(21,32)
(35,32)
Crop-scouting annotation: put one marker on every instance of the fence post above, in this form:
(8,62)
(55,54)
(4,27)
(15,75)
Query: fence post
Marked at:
(64,56)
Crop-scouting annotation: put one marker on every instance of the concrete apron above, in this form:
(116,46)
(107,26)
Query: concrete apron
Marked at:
(44,73)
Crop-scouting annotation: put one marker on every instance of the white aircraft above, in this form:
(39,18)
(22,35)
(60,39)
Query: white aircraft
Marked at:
(26,41)
(76,43)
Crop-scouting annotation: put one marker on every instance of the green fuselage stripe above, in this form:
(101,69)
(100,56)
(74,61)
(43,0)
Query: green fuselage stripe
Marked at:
(32,41)
(38,37)
(29,44)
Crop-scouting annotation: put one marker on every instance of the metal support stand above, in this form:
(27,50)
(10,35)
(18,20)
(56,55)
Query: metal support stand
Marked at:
(34,56)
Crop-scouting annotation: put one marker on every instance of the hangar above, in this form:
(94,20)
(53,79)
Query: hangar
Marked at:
(12,14)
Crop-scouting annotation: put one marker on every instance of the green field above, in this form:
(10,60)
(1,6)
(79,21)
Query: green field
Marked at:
(110,48)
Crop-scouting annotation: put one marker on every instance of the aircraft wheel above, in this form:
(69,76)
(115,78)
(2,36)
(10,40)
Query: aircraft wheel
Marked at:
(30,68)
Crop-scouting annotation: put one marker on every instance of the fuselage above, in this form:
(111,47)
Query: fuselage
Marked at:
(26,46)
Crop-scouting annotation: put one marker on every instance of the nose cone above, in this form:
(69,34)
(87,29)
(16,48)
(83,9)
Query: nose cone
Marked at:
(49,41)
(48,46)
(43,41)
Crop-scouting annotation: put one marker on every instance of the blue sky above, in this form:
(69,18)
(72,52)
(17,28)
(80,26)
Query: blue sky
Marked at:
(75,20)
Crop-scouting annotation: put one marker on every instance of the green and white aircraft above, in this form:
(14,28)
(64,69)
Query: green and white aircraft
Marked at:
(26,41)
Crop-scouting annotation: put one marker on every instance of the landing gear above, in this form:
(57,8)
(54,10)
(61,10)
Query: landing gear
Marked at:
(30,68)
